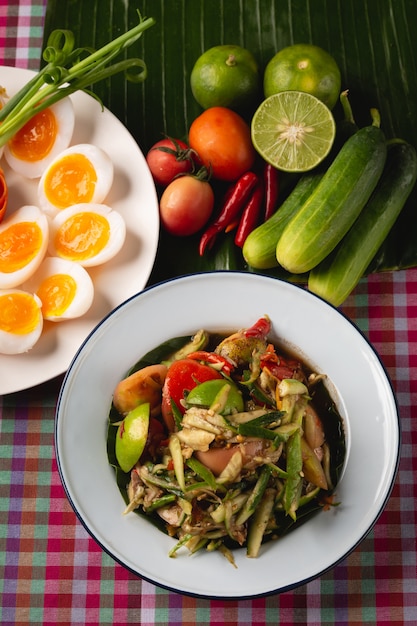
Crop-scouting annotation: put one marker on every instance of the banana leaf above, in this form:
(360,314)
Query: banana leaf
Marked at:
(373,42)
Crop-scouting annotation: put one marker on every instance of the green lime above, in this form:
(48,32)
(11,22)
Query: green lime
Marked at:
(205,394)
(304,67)
(131,436)
(293,131)
(225,76)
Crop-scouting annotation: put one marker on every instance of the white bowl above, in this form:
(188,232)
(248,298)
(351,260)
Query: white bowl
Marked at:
(227,301)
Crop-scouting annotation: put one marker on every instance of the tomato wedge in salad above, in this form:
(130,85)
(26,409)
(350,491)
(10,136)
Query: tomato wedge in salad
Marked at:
(183,375)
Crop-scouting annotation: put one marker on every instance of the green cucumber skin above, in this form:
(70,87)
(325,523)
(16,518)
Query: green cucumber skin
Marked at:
(330,211)
(259,249)
(340,272)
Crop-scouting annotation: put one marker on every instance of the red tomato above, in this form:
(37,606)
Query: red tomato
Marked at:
(186,205)
(183,375)
(167,159)
(223,142)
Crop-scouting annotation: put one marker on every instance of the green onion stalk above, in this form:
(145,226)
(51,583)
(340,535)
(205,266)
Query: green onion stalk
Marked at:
(68,70)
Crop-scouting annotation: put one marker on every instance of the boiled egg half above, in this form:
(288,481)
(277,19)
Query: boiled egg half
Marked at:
(64,288)
(41,139)
(89,234)
(80,174)
(21,321)
(23,245)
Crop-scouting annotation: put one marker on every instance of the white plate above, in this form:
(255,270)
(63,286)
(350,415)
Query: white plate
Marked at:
(228,301)
(133,195)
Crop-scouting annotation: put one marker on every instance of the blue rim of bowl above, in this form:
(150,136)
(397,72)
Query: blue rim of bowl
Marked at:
(270,592)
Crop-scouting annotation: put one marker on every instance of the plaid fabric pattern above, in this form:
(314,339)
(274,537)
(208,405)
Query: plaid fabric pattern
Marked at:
(21,31)
(52,572)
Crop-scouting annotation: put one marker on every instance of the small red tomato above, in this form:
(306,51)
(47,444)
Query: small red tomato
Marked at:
(183,375)
(167,159)
(186,205)
(223,142)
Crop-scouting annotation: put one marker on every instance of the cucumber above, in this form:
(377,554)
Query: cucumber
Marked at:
(259,249)
(341,271)
(330,211)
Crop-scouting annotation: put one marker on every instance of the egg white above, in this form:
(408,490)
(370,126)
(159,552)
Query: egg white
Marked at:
(31,214)
(84,293)
(117,233)
(63,111)
(101,163)
(12,341)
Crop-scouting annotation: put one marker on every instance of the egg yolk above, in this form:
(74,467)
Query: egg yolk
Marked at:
(71,180)
(19,244)
(56,294)
(35,139)
(19,313)
(82,236)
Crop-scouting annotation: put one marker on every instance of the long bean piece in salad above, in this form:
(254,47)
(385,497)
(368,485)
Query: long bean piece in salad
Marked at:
(235,443)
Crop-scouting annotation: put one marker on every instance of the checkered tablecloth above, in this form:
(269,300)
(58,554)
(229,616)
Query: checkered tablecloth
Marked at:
(52,572)
(21,31)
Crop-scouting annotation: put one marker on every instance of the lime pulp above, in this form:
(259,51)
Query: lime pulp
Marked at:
(293,131)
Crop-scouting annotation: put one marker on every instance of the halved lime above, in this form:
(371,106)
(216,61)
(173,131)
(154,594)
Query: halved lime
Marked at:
(293,131)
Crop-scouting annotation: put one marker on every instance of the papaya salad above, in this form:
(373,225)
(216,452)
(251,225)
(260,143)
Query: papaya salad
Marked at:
(225,441)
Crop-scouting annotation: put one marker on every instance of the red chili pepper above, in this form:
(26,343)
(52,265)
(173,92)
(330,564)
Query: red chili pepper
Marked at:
(261,328)
(213,359)
(250,215)
(234,202)
(277,365)
(271,182)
